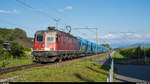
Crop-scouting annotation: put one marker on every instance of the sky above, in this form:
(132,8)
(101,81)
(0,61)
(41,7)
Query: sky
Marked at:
(118,21)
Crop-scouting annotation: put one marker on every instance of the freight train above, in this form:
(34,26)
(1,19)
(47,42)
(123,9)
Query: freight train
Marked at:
(54,45)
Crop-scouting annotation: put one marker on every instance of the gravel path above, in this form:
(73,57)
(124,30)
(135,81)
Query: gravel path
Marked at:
(104,60)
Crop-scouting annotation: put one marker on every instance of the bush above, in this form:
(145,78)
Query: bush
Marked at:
(1,41)
(133,52)
(4,54)
(17,50)
(148,52)
(1,49)
(27,49)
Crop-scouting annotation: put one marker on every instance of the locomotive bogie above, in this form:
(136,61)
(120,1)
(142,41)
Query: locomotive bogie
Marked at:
(51,56)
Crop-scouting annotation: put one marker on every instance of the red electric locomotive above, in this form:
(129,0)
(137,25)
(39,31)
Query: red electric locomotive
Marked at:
(52,44)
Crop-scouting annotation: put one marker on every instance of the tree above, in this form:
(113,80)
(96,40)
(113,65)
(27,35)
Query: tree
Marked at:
(107,45)
(1,49)
(148,52)
(12,34)
(17,33)
(138,51)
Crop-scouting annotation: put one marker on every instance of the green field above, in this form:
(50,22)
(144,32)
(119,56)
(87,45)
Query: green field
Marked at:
(125,54)
(11,62)
(119,57)
(84,71)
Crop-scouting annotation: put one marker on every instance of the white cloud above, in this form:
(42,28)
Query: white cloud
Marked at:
(147,35)
(67,8)
(124,37)
(137,35)
(4,11)
(108,36)
(60,10)
(111,36)
(133,35)
(119,38)
(9,12)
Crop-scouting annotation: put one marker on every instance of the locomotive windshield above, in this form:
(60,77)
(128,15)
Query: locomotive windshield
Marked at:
(39,38)
(50,39)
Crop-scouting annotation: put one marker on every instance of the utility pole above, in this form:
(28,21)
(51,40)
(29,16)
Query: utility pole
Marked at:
(144,54)
(139,53)
(6,47)
(57,21)
(96,38)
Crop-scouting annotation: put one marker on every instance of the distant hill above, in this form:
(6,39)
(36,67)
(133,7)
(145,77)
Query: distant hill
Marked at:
(140,44)
(123,45)
(15,35)
(119,45)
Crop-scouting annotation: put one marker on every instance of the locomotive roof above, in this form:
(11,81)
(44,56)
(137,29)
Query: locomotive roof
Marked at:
(57,31)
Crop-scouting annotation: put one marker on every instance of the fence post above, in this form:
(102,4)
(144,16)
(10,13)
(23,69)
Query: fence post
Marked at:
(110,73)
(108,80)
(111,70)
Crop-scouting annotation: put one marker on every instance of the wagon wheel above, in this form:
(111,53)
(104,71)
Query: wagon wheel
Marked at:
(70,58)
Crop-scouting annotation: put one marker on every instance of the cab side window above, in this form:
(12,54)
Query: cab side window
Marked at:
(72,41)
(57,39)
(64,40)
(69,41)
(75,43)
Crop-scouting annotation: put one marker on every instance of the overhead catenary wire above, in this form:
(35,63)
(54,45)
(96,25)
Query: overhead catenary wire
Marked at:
(41,12)
(58,12)
(37,10)
(83,33)
(57,20)
(52,8)
(122,38)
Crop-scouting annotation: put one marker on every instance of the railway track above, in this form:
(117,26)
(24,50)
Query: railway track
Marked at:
(11,69)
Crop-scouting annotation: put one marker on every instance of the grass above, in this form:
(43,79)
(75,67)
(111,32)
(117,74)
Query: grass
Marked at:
(119,58)
(84,71)
(118,55)
(11,62)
